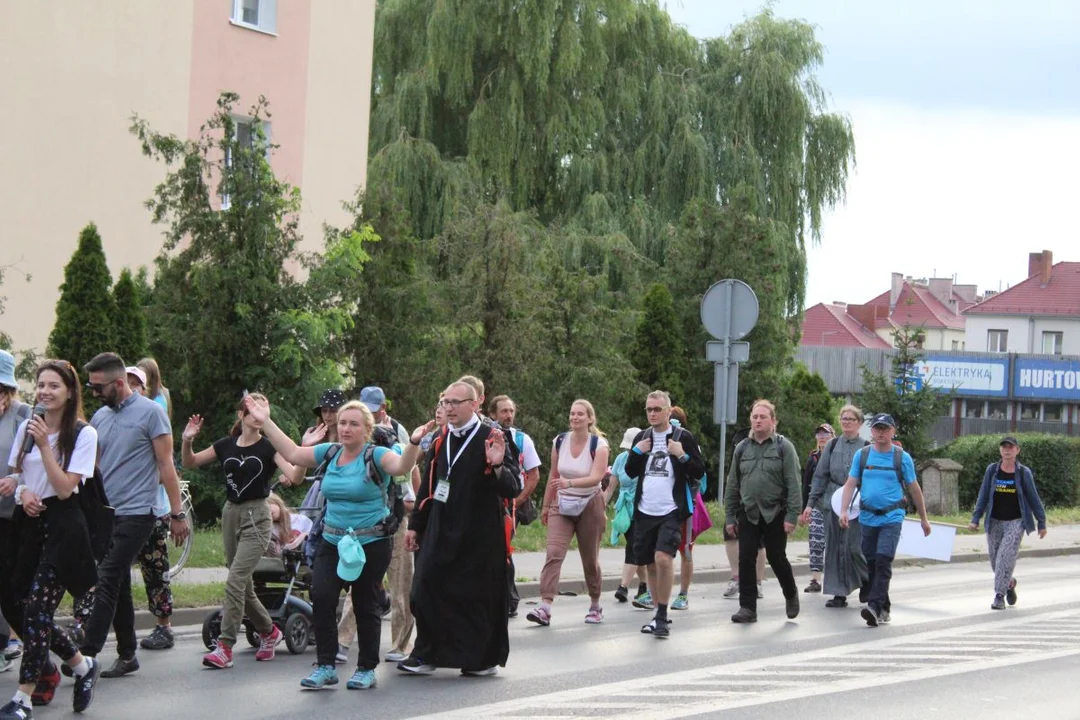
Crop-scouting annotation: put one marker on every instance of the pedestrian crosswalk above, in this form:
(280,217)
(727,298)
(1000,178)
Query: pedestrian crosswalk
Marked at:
(880,661)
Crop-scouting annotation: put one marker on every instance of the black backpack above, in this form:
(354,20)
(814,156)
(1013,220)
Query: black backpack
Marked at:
(383,436)
(100,516)
(896,467)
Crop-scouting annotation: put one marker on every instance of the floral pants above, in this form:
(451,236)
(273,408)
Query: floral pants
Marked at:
(40,632)
(154,564)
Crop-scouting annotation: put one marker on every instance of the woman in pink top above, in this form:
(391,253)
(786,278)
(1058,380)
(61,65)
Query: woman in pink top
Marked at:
(574,505)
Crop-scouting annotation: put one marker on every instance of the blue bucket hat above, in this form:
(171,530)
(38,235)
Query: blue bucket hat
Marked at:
(351,558)
(373,397)
(7,369)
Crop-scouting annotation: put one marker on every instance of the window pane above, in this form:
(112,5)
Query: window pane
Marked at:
(997,340)
(243,134)
(1029,411)
(973,409)
(997,409)
(1051,342)
(1052,412)
(250,11)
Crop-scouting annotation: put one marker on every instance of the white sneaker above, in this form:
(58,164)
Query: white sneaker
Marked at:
(759,593)
(732,591)
(395,656)
(5,664)
(342,656)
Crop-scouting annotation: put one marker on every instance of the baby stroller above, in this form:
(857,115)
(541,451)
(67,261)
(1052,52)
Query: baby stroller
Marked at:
(279,583)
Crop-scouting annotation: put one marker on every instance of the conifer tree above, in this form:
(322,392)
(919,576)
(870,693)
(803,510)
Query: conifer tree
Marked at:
(130,321)
(658,352)
(84,312)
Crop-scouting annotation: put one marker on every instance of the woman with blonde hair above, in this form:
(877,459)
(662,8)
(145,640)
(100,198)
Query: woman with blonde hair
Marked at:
(845,566)
(154,389)
(574,506)
(289,529)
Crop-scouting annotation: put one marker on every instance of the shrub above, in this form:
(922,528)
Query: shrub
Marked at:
(1054,459)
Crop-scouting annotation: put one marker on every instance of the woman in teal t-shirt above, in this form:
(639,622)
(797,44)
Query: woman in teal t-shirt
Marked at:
(355,505)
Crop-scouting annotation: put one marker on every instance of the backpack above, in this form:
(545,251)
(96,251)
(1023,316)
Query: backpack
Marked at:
(741,448)
(315,504)
(100,516)
(896,467)
(527,513)
(395,496)
(594,442)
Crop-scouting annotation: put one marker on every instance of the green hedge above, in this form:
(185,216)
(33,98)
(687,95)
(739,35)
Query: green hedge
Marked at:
(1054,459)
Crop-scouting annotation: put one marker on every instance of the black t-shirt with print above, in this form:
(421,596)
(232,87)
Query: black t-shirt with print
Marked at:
(248,470)
(1006,501)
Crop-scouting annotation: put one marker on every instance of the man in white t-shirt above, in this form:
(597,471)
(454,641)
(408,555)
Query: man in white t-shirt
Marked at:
(667,462)
(503,411)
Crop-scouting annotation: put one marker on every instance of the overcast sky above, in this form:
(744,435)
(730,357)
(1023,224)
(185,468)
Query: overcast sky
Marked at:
(967,129)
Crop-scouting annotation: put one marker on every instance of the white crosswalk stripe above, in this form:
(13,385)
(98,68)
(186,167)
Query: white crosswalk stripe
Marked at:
(850,667)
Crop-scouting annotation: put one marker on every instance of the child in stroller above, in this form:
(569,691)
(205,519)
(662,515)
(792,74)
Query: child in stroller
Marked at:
(281,578)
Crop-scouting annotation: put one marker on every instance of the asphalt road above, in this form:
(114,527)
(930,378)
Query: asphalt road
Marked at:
(945,654)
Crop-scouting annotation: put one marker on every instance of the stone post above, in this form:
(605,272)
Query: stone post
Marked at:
(940,479)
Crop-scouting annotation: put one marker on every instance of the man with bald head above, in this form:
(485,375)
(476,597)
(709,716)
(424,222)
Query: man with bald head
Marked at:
(459,595)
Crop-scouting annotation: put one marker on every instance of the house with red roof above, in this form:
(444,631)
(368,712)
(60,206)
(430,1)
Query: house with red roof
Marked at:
(1040,315)
(936,305)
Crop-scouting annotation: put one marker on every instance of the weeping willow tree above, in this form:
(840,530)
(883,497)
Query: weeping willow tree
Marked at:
(594,137)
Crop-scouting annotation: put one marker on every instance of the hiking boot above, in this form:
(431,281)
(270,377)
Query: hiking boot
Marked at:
(681,602)
(160,639)
(595,616)
(644,601)
(482,672)
(791,606)
(540,616)
(837,601)
(622,594)
(16,711)
(814,586)
(320,677)
(361,680)
(121,667)
(760,594)
(219,658)
(732,591)
(745,615)
(416,666)
(871,616)
(999,603)
(1010,594)
(45,689)
(14,649)
(268,643)
(84,687)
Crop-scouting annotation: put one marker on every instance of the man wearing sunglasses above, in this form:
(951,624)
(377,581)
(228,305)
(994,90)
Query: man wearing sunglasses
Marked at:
(135,456)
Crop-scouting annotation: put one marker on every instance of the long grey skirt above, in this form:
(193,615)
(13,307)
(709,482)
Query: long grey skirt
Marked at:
(845,566)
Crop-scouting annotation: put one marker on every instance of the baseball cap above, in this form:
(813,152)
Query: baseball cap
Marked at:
(137,372)
(882,419)
(331,398)
(628,438)
(826,427)
(7,369)
(351,558)
(1009,440)
(373,397)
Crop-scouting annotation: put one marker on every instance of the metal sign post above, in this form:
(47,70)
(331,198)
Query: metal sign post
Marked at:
(729,311)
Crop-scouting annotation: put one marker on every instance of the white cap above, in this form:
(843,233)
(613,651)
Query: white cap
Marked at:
(628,438)
(137,372)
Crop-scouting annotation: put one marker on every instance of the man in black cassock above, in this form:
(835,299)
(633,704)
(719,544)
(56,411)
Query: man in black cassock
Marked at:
(458,530)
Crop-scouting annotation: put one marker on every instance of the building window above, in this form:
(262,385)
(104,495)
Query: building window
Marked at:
(244,129)
(1053,412)
(997,341)
(955,344)
(997,409)
(973,408)
(1029,411)
(258,15)
(1052,343)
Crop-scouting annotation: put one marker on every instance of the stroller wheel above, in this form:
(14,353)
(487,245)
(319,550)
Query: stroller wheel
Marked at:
(211,629)
(297,633)
(252,636)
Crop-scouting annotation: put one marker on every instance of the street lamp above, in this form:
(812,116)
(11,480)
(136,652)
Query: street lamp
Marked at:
(830,332)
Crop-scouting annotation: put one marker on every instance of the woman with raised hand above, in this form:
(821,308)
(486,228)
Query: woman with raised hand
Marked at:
(54,554)
(574,506)
(355,552)
(248,461)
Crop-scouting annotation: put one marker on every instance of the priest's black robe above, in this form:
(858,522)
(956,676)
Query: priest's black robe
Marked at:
(459,594)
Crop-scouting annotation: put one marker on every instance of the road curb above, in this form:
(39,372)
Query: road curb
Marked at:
(194,616)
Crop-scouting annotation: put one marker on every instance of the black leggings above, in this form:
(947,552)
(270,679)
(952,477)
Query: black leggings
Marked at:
(40,631)
(367,598)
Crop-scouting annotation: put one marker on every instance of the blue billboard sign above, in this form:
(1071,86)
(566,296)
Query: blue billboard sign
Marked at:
(1047,379)
(984,377)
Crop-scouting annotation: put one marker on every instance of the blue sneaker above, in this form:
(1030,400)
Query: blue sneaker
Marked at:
(320,677)
(681,602)
(361,680)
(643,601)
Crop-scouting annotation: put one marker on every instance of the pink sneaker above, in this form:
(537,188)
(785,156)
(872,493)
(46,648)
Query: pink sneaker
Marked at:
(220,658)
(269,641)
(595,616)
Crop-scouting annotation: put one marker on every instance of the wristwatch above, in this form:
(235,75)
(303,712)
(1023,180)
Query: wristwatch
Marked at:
(178,516)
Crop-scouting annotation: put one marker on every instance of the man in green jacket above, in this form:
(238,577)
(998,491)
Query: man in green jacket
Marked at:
(762,504)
